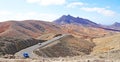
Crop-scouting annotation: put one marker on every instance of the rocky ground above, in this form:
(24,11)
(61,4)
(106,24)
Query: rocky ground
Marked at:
(12,45)
(60,59)
(66,46)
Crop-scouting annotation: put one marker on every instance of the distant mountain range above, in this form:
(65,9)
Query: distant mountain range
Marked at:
(113,27)
(116,25)
(68,19)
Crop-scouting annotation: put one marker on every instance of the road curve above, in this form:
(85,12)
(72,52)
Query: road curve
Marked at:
(30,49)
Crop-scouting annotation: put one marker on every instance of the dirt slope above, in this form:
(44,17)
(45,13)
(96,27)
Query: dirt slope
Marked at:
(108,47)
(12,45)
(27,28)
(67,46)
(83,31)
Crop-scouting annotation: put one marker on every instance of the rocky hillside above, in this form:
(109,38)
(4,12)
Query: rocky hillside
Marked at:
(84,32)
(12,45)
(66,46)
(48,36)
(27,28)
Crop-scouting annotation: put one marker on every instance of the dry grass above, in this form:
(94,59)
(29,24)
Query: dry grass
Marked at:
(66,46)
(107,43)
(108,46)
(60,59)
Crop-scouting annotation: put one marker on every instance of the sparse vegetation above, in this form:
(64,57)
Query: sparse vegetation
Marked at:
(67,46)
(12,45)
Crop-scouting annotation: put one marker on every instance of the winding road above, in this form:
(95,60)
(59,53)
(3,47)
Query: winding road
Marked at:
(30,49)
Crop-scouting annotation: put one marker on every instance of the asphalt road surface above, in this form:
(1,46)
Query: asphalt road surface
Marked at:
(30,49)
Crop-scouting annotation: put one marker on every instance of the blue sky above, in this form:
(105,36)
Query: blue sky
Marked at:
(99,11)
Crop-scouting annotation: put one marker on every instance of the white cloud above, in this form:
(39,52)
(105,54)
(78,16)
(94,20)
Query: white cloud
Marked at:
(47,2)
(102,11)
(74,4)
(3,12)
(32,1)
(4,16)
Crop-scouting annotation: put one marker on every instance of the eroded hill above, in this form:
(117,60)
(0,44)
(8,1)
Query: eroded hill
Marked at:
(27,29)
(66,46)
(12,45)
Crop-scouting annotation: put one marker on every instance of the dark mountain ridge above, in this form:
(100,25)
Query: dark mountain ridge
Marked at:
(68,19)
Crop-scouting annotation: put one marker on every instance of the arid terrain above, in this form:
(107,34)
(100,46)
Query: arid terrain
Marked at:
(85,41)
(66,46)
(27,28)
(107,47)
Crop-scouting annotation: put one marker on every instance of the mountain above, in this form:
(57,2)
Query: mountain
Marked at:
(116,26)
(27,28)
(68,19)
(79,27)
